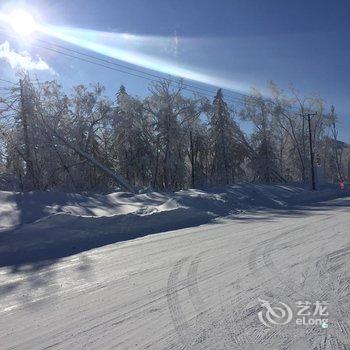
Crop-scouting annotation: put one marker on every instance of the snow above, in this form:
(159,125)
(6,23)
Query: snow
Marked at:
(18,208)
(137,271)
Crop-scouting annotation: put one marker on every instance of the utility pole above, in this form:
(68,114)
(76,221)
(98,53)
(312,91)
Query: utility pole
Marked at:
(309,115)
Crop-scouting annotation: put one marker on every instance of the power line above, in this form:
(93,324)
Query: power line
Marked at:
(150,77)
(8,81)
(188,87)
(134,69)
(344,124)
(193,88)
(137,75)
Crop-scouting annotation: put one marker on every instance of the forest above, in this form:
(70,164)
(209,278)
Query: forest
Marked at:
(85,141)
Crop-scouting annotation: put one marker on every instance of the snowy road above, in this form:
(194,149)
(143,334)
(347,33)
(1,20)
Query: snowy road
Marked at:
(194,288)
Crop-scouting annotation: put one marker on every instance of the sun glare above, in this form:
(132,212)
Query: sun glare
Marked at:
(121,46)
(22,22)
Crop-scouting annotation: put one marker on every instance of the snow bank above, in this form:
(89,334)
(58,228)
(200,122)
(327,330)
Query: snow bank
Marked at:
(26,208)
(38,226)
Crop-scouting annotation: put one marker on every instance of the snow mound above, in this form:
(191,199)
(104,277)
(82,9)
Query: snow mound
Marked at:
(37,226)
(26,208)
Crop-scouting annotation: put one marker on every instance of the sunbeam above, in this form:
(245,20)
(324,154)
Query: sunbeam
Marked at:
(127,48)
(148,52)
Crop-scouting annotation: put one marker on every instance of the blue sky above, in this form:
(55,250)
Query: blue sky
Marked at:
(248,43)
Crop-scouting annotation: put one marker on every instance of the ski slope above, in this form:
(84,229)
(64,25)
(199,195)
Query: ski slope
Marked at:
(192,288)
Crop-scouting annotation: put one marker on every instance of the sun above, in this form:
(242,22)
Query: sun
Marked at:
(22,22)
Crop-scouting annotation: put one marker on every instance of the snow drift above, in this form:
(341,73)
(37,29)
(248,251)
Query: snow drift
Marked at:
(37,226)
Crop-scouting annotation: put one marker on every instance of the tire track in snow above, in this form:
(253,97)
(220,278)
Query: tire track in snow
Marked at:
(334,270)
(202,335)
(324,270)
(195,297)
(266,251)
(260,258)
(275,271)
(199,306)
(176,313)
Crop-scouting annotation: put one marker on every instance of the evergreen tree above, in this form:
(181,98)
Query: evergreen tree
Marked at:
(227,154)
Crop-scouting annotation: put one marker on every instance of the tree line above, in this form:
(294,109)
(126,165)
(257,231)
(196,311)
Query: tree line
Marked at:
(168,140)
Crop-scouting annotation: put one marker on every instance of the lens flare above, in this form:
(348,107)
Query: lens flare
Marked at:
(125,47)
(156,53)
(22,22)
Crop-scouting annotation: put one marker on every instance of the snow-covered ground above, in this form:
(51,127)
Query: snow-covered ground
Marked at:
(137,271)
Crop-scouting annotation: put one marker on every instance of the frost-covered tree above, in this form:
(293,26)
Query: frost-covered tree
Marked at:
(165,107)
(258,110)
(86,141)
(133,139)
(227,152)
